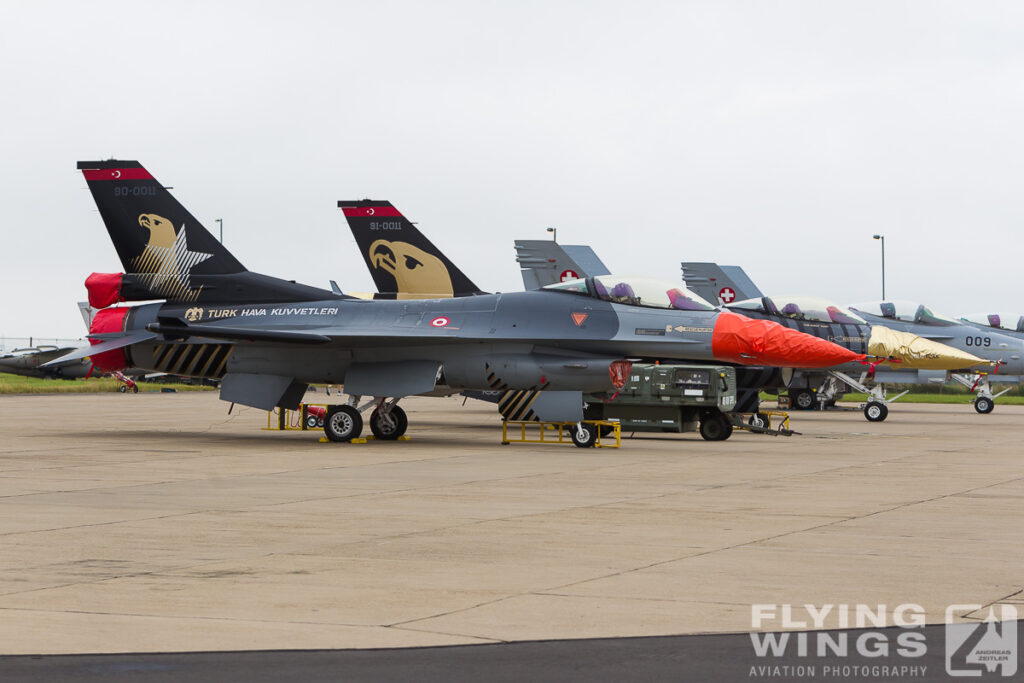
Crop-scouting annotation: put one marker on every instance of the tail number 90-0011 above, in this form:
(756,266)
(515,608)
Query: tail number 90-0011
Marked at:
(979,341)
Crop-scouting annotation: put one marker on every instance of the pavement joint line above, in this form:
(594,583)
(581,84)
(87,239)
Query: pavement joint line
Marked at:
(1005,598)
(783,535)
(194,616)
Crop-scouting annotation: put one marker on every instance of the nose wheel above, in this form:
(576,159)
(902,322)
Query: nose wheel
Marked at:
(875,411)
(584,435)
(984,405)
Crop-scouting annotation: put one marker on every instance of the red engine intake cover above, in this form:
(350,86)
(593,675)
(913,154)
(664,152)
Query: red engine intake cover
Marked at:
(109,320)
(104,289)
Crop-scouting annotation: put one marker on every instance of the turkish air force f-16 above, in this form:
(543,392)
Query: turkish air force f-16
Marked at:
(270,338)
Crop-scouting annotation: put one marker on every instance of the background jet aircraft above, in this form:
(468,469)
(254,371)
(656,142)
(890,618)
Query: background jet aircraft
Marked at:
(561,341)
(808,388)
(31,362)
(1005,351)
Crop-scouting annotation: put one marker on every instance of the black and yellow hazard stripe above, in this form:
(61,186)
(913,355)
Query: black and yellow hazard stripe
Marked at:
(493,381)
(194,360)
(514,406)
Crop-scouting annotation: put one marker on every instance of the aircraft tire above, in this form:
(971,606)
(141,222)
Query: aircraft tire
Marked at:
(715,427)
(875,411)
(343,424)
(135,389)
(984,405)
(123,388)
(583,435)
(803,399)
(758,420)
(391,426)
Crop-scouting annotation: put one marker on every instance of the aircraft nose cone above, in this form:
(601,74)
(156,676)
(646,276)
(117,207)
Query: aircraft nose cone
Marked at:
(738,339)
(911,351)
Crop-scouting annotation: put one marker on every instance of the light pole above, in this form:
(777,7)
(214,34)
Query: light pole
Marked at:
(882,237)
(554,234)
(221,221)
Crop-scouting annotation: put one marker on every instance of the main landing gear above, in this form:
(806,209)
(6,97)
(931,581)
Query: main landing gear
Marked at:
(387,421)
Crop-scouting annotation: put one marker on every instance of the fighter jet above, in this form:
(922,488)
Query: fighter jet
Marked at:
(927,349)
(270,338)
(1005,352)
(32,362)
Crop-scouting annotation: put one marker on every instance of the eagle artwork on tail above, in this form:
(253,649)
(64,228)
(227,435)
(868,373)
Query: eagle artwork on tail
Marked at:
(165,263)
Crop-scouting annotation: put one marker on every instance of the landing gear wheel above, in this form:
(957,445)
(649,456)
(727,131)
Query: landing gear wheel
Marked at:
(875,411)
(803,399)
(584,435)
(123,388)
(135,389)
(984,405)
(391,426)
(758,420)
(715,427)
(343,423)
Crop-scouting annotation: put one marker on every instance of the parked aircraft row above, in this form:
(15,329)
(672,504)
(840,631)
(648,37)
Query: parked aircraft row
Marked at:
(556,342)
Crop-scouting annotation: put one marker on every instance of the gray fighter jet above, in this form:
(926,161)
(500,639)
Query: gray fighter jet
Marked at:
(270,338)
(808,389)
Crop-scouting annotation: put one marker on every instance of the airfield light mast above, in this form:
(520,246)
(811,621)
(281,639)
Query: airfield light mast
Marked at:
(221,222)
(882,237)
(554,234)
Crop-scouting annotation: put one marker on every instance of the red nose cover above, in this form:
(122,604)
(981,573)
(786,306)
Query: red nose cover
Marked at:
(738,339)
(109,320)
(104,289)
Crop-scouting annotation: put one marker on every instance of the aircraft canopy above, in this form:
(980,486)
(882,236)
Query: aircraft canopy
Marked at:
(800,308)
(907,311)
(635,291)
(1003,321)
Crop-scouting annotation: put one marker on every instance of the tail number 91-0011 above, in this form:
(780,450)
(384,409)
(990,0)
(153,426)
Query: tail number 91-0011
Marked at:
(979,341)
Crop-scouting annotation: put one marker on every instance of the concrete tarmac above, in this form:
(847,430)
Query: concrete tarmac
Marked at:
(159,523)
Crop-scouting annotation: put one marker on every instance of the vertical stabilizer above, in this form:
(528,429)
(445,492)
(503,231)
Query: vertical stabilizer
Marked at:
(719,284)
(402,261)
(545,262)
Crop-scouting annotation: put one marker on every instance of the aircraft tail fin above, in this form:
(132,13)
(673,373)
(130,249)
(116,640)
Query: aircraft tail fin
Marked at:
(152,232)
(546,262)
(721,284)
(88,313)
(166,253)
(402,261)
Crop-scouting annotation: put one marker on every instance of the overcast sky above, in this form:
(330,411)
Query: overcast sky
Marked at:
(774,135)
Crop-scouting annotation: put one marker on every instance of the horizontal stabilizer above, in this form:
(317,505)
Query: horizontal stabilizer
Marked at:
(120,341)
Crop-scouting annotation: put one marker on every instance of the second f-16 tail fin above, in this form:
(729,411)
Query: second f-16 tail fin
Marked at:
(721,284)
(546,262)
(402,261)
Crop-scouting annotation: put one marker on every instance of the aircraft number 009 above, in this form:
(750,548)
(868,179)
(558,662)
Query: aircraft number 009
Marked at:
(979,341)
(385,225)
(134,191)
